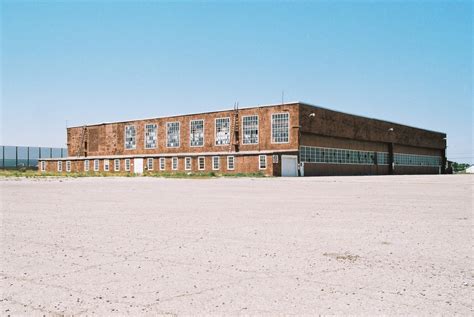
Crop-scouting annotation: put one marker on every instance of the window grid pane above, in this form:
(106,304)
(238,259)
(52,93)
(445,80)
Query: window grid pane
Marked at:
(280,127)
(130,137)
(222,131)
(150,136)
(172,134)
(197,133)
(250,129)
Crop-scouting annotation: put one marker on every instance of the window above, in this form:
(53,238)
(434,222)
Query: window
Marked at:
(280,127)
(187,163)
(149,164)
(196,137)
(68,166)
(262,159)
(310,154)
(275,158)
(150,136)
(86,165)
(60,166)
(106,165)
(250,129)
(174,163)
(117,165)
(96,165)
(216,163)
(230,162)
(222,131)
(201,163)
(416,160)
(130,137)
(172,134)
(43,166)
(127,165)
(162,163)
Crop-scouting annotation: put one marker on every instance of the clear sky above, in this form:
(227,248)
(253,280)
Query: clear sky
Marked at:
(99,61)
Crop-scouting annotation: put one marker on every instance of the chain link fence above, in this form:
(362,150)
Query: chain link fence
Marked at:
(13,157)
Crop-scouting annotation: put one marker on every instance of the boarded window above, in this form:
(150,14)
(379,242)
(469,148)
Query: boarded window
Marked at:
(93,134)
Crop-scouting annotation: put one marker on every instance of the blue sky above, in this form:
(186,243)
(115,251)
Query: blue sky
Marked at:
(99,61)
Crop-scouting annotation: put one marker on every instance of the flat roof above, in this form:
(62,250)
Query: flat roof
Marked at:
(256,107)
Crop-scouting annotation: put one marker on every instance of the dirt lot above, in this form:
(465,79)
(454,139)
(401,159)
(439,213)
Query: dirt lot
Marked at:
(329,245)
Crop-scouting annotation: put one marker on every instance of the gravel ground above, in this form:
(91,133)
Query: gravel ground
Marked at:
(327,245)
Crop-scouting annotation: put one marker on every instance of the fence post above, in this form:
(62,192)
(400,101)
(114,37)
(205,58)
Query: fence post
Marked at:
(27,156)
(16,156)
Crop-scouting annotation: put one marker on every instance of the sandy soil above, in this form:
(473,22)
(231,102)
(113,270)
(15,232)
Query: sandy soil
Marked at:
(329,245)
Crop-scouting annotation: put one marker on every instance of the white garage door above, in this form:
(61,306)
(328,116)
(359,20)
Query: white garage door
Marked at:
(289,165)
(138,166)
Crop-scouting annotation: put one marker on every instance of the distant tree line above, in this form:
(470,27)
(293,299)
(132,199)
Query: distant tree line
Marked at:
(459,167)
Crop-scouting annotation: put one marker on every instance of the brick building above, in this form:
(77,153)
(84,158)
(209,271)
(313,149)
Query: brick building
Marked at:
(287,139)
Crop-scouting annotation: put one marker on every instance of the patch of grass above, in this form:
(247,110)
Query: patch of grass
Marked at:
(200,175)
(37,174)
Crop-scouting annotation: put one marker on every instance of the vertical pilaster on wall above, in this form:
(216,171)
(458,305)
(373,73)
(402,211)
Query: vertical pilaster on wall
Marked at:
(391,161)
(443,161)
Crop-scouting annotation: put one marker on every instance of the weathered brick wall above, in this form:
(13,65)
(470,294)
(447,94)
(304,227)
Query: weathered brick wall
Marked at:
(108,139)
(336,124)
(242,164)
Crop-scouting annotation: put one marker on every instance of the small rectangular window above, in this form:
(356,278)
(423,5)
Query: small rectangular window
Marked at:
(96,165)
(250,129)
(60,166)
(280,127)
(196,137)
(222,131)
(127,165)
(68,166)
(86,165)
(117,165)
(149,164)
(187,163)
(130,137)
(275,158)
(172,134)
(262,162)
(43,166)
(174,163)
(215,163)
(230,162)
(162,163)
(150,136)
(106,165)
(201,163)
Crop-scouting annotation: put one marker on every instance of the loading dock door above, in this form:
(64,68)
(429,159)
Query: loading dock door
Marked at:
(138,166)
(289,165)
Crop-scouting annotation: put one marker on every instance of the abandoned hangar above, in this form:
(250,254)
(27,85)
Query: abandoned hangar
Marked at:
(287,139)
